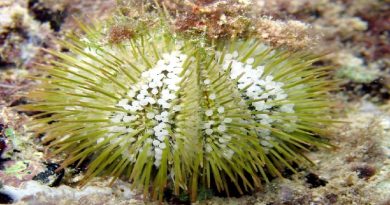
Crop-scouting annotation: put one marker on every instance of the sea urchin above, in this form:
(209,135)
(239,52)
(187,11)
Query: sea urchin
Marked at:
(163,110)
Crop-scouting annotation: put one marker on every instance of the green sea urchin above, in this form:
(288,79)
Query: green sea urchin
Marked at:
(164,110)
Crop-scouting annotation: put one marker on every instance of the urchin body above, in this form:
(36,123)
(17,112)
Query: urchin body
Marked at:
(163,110)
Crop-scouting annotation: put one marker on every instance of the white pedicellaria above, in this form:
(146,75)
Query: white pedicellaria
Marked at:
(215,127)
(261,90)
(152,100)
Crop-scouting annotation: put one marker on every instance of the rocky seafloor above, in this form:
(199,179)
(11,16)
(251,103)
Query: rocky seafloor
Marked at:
(354,32)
